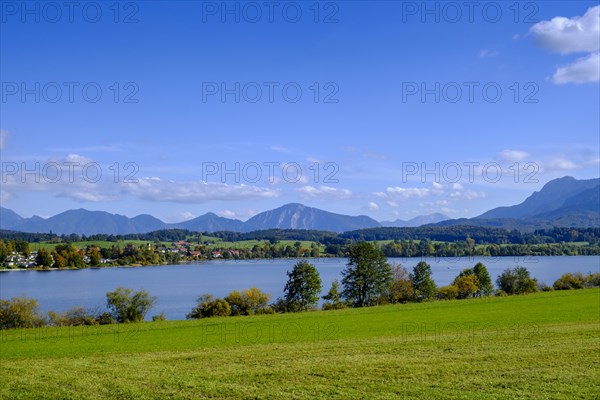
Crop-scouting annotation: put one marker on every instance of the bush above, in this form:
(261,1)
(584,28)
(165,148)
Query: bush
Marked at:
(334,298)
(265,310)
(577,280)
(208,307)
(545,287)
(75,316)
(106,318)
(159,317)
(501,293)
(129,306)
(247,302)
(516,281)
(279,305)
(401,289)
(467,285)
(592,280)
(449,292)
(570,281)
(20,312)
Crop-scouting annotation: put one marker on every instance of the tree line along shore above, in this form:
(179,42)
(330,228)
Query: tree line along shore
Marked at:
(368,280)
(35,251)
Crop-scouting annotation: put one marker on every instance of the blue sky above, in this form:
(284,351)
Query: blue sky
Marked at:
(389,109)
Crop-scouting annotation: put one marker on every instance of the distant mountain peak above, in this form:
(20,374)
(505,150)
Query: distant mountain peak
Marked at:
(562,202)
(551,196)
(299,216)
(417,221)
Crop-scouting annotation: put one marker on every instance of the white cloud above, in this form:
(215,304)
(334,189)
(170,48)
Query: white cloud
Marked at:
(573,35)
(324,192)
(247,213)
(485,53)
(186,215)
(4,135)
(273,180)
(455,191)
(5,196)
(403,193)
(513,155)
(593,162)
(467,195)
(372,206)
(313,160)
(570,35)
(89,149)
(279,149)
(226,214)
(92,196)
(560,163)
(583,70)
(68,178)
(447,210)
(195,191)
(366,153)
(78,160)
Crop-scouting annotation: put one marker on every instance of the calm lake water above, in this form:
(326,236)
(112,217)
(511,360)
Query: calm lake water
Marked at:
(178,286)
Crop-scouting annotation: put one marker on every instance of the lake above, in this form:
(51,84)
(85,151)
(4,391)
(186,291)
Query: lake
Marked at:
(178,286)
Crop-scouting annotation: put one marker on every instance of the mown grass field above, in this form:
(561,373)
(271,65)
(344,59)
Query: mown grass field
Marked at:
(249,244)
(100,243)
(217,243)
(540,346)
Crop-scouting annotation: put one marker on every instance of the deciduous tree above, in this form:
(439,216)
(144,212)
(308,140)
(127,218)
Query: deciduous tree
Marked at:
(333,298)
(367,276)
(129,306)
(43,258)
(303,287)
(401,288)
(248,302)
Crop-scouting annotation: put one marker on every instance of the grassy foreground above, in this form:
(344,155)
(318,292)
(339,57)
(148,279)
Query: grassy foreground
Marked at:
(540,346)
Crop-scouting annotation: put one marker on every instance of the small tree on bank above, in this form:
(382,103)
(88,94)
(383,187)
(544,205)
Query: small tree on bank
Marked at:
(368,275)
(401,289)
(303,287)
(207,307)
(467,285)
(423,285)
(20,312)
(129,306)
(249,302)
(516,281)
(486,288)
(333,298)
(43,258)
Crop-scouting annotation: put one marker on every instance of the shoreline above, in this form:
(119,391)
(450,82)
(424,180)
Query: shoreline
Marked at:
(491,258)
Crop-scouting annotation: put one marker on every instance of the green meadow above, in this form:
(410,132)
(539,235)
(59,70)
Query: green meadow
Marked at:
(540,346)
(100,243)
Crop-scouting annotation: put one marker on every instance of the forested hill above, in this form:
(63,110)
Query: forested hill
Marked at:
(480,235)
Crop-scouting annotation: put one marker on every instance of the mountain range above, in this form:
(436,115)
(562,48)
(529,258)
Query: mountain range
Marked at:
(84,222)
(416,221)
(562,202)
